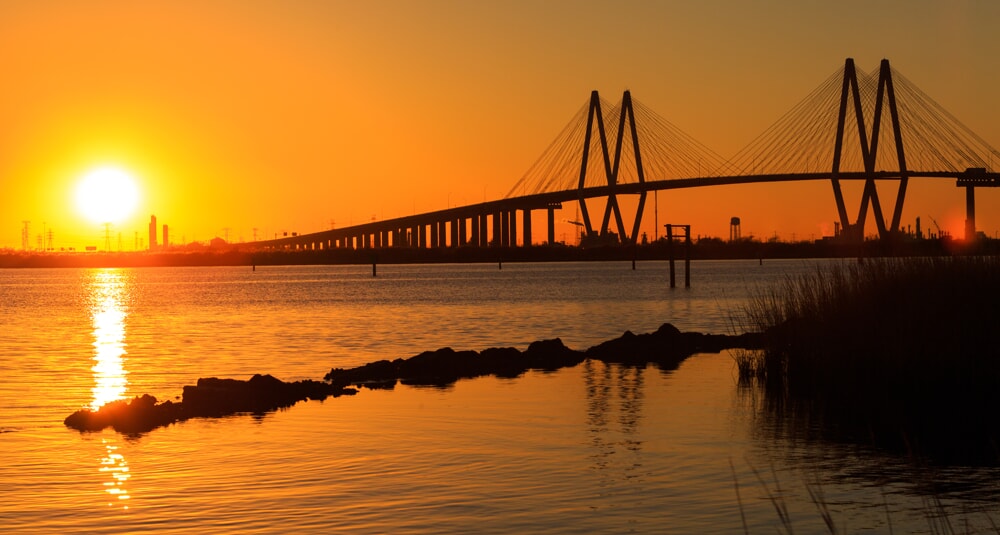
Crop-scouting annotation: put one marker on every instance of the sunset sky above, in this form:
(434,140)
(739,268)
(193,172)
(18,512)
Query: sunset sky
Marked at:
(299,115)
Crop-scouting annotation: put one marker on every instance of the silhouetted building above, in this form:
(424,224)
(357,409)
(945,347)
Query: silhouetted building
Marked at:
(152,233)
(166,237)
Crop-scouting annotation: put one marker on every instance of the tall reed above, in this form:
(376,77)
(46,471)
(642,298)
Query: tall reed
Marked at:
(898,349)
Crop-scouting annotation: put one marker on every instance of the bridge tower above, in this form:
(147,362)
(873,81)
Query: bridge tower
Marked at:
(850,94)
(611,168)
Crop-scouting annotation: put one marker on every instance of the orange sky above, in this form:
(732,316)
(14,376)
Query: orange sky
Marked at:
(290,116)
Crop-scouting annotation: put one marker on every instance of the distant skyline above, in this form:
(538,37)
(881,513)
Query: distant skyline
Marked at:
(265,117)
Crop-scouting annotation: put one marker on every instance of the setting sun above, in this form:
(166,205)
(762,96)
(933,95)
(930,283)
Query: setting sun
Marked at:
(106,195)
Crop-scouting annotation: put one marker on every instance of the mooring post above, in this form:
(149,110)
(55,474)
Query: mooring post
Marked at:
(670,253)
(687,256)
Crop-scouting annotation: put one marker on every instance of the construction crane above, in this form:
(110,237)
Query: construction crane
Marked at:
(940,233)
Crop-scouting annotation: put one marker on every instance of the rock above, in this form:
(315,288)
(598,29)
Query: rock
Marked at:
(210,397)
(667,347)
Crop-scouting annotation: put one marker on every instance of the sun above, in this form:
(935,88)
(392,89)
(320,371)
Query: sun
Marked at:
(106,195)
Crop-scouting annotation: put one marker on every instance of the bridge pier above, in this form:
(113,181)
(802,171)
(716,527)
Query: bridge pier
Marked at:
(512,234)
(504,229)
(970,213)
(474,231)
(527,228)
(551,214)
(497,229)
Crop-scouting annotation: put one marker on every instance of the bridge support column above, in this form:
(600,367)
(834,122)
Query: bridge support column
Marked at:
(435,235)
(512,219)
(527,228)
(422,236)
(474,231)
(512,234)
(504,234)
(463,233)
(484,230)
(454,233)
(552,226)
(442,234)
(970,213)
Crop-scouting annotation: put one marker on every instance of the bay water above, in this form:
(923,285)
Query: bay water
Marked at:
(595,448)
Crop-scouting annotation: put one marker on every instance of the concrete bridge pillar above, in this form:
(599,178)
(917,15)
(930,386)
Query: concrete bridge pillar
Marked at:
(504,229)
(498,226)
(484,231)
(463,236)
(551,216)
(527,228)
(970,213)
(512,233)
(442,234)
(454,233)
(474,231)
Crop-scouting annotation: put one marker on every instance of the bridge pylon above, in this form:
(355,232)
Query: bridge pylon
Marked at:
(611,169)
(851,94)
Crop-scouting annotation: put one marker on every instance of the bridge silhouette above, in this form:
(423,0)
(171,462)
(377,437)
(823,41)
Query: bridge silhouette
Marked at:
(873,127)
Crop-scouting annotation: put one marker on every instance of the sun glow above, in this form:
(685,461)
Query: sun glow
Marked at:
(107,195)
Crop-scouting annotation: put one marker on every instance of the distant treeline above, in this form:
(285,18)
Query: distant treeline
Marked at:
(703,249)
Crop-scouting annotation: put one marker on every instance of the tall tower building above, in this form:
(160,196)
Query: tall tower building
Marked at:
(152,233)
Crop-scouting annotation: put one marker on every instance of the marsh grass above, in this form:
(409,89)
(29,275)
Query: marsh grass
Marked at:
(902,352)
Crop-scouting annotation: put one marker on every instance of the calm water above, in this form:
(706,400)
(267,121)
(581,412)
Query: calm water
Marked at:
(595,448)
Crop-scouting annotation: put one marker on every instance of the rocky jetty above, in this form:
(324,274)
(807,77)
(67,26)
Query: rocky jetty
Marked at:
(667,347)
(210,397)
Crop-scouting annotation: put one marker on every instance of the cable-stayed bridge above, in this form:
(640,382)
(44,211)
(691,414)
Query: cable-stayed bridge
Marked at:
(874,127)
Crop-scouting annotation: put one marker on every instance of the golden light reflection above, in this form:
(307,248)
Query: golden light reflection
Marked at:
(116,467)
(107,295)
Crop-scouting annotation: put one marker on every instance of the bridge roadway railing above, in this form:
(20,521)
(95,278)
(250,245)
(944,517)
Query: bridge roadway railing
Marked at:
(471,225)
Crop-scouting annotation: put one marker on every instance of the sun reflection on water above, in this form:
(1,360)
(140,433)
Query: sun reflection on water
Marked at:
(108,290)
(115,465)
(107,296)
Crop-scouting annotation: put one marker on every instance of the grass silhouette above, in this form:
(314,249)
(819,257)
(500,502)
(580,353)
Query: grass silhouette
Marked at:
(903,353)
